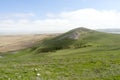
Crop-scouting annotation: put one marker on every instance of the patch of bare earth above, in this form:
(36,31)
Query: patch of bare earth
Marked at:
(18,42)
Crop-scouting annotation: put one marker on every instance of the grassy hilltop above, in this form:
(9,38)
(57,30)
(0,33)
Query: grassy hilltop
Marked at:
(80,54)
(79,38)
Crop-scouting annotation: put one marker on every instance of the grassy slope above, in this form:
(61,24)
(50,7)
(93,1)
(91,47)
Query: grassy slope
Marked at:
(86,38)
(101,61)
(64,42)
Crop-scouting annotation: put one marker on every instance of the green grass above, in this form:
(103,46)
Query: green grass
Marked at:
(99,61)
(75,64)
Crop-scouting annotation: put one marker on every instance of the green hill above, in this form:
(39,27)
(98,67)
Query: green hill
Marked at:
(78,38)
(80,54)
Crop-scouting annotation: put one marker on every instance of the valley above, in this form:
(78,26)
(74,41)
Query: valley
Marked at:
(18,42)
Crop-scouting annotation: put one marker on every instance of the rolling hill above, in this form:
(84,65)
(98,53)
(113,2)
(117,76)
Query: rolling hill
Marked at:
(78,38)
(80,54)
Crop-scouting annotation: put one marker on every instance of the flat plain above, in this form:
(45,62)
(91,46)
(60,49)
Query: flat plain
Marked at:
(18,42)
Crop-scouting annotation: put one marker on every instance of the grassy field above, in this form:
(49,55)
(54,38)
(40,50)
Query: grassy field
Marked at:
(76,64)
(100,61)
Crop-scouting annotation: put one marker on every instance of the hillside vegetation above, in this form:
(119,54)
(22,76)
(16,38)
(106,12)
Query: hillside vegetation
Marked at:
(80,54)
(79,38)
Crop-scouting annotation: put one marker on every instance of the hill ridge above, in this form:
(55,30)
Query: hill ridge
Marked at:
(72,38)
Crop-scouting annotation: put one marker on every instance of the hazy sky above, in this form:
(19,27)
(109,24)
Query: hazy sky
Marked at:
(30,16)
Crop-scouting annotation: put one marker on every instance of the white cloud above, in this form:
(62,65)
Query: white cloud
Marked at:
(50,15)
(90,18)
(16,15)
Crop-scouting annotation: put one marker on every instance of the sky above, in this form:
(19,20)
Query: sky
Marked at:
(54,16)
